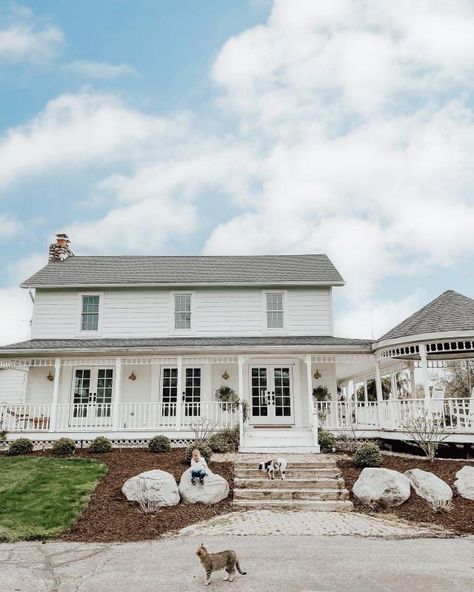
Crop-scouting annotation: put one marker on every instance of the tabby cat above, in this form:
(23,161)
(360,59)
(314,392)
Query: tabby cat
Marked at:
(215,561)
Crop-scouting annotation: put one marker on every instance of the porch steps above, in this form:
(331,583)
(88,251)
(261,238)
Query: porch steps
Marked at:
(315,485)
(268,440)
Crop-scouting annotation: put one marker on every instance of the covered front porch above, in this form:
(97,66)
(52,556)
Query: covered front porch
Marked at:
(134,397)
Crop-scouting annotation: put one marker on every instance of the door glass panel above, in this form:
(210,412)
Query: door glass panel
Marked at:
(82,384)
(282,392)
(169,391)
(105,381)
(259,392)
(192,392)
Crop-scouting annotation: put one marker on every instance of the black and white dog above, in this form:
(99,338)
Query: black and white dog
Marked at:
(271,467)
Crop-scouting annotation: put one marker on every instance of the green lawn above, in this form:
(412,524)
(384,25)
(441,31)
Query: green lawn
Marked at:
(41,497)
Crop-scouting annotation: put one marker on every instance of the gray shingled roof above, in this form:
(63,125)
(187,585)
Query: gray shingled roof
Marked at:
(449,312)
(61,345)
(200,270)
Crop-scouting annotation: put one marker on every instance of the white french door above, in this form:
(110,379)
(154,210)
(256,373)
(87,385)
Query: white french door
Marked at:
(190,395)
(271,395)
(92,396)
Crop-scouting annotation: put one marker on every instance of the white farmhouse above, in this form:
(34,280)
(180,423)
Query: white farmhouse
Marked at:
(133,346)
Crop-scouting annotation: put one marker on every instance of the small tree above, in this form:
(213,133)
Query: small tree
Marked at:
(425,432)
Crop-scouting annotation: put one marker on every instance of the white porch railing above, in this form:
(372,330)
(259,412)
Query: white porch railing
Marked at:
(100,417)
(455,414)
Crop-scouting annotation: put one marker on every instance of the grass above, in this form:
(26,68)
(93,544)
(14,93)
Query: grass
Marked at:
(42,497)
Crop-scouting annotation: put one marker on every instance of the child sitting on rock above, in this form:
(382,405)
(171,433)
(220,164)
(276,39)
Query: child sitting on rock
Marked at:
(199,467)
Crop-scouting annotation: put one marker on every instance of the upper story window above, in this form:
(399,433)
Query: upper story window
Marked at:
(274,310)
(182,311)
(90,312)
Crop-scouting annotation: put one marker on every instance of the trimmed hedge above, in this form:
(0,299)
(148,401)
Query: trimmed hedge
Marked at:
(367,455)
(326,441)
(64,447)
(203,448)
(20,446)
(159,444)
(226,441)
(100,444)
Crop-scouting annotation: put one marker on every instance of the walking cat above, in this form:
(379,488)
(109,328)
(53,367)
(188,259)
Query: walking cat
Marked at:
(215,561)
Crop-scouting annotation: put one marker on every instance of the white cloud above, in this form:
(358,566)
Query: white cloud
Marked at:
(100,70)
(78,130)
(25,38)
(9,226)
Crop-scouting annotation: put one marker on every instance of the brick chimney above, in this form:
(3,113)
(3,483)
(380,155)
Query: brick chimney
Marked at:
(59,251)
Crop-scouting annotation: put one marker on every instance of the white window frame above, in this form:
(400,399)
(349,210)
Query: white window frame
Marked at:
(282,329)
(173,328)
(80,330)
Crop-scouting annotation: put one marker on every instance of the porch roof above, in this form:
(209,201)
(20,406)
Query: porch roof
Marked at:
(170,343)
(312,269)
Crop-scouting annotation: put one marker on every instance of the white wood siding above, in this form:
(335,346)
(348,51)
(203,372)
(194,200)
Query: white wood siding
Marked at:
(12,386)
(149,313)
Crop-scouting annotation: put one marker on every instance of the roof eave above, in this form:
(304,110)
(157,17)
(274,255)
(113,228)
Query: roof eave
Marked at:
(423,337)
(185,284)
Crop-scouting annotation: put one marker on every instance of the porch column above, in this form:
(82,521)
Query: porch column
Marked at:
(54,403)
(424,371)
(117,394)
(411,368)
(378,382)
(179,391)
(366,393)
(394,389)
(312,423)
(240,387)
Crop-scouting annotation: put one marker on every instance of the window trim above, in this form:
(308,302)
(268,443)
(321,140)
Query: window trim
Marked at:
(173,328)
(283,328)
(80,330)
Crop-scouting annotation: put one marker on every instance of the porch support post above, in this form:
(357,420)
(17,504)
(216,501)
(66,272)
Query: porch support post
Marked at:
(378,382)
(394,390)
(240,387)
(180,393)
(312,422)
(117,394)
(366,393)
(411,368)
(426,378)
(54,403)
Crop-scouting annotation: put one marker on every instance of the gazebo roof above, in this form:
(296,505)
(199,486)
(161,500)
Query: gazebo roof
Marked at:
(449,312)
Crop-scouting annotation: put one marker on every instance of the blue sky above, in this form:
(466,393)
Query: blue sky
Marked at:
(255,126)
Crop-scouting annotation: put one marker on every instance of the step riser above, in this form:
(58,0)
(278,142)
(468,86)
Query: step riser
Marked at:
(317,506)
(288,484)
(290,474)
(291,465)
(276,495)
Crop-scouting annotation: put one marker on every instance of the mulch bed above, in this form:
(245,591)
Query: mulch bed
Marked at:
(109,517)
(416,509)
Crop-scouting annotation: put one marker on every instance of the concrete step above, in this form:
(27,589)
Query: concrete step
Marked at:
(254,473)
(277,450)
(321,463)
(313,484)
(306,505)
(291,494)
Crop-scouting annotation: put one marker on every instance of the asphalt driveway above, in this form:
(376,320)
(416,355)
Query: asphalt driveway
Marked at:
(274,563)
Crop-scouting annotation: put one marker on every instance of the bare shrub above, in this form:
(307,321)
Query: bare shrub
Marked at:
(203,428)
(425,432)
(441,506)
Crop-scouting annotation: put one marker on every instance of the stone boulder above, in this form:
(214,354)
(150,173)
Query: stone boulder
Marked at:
(382,487)
(158,487)
(465,482)
(429,486)
(214,490)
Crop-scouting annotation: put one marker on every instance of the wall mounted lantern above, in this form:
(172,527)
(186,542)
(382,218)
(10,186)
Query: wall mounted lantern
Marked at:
(132,376)
(317,375)
(50,377)
(225,376)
